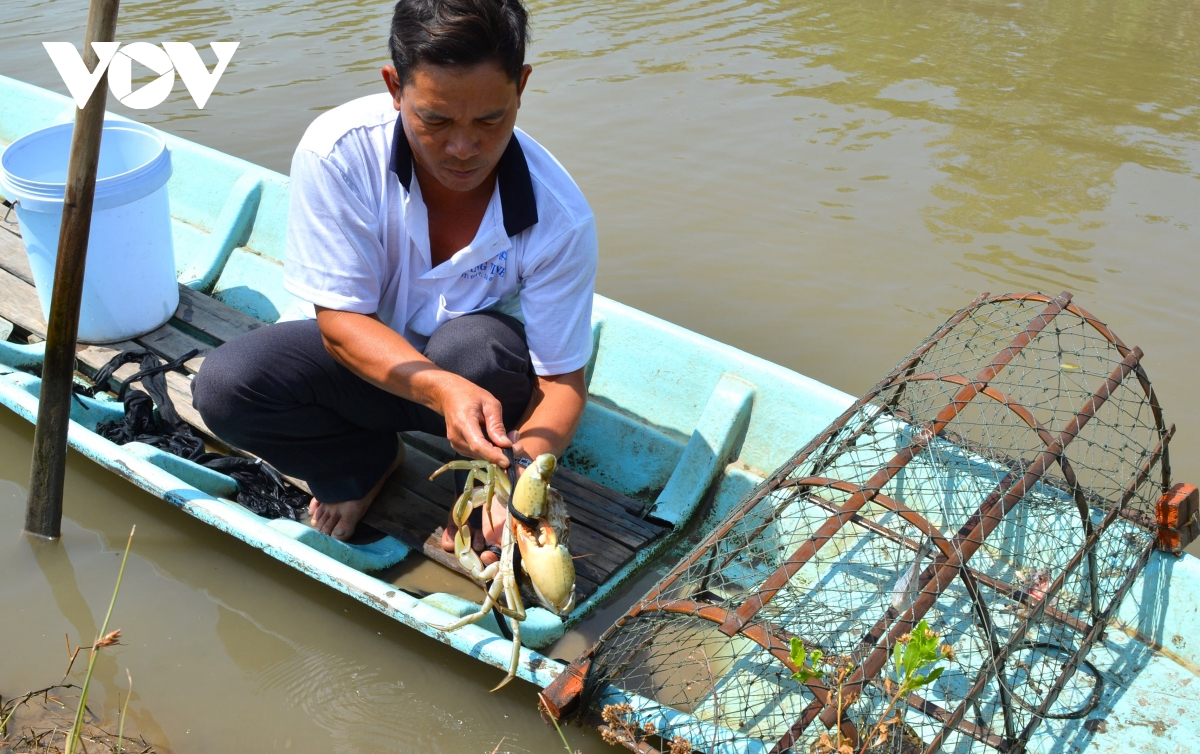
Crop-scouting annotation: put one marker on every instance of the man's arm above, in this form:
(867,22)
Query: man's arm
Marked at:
(381,356)
(553,415)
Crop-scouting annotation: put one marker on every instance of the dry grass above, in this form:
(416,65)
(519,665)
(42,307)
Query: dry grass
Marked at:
(41,721)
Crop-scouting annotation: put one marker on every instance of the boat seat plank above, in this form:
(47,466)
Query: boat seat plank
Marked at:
(179,386)
(606,527)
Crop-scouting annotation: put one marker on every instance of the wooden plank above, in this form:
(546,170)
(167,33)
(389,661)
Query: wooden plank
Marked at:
(91,358)
(620,529)
(12,254)
(410,517)
(171,343)
(583,483)
(567,483)
(19,304)
(179,387)
(212,317)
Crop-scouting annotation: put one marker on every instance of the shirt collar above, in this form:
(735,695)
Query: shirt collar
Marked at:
(512,174)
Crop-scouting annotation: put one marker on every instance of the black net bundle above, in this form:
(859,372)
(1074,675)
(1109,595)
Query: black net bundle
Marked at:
(1000,484)
(260,487)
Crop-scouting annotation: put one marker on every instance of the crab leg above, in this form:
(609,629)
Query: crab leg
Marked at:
(484,609)
(516,654)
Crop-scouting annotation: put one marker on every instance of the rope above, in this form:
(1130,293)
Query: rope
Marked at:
(260,488)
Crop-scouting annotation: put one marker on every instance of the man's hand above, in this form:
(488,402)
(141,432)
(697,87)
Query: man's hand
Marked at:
(474,420)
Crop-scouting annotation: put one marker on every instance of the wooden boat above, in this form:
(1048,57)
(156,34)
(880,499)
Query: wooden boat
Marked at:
(678,430)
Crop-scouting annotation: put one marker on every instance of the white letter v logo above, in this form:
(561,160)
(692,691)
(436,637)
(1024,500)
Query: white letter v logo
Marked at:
(199,82)
(80,82)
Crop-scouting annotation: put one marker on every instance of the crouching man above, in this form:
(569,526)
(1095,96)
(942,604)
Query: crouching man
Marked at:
(450,262)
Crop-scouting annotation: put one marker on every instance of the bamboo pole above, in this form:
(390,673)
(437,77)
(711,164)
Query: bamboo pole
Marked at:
(43,516)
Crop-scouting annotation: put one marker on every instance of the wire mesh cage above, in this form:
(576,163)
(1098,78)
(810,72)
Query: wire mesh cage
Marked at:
(1003,483)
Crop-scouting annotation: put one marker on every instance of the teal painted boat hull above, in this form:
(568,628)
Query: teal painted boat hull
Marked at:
(674,418)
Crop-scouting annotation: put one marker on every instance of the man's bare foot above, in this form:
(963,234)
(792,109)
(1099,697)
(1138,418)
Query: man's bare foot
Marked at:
(481,537)
(339,519)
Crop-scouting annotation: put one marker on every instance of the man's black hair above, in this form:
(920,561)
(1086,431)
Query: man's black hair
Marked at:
(458,33)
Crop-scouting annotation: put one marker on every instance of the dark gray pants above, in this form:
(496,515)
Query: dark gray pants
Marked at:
(277,393)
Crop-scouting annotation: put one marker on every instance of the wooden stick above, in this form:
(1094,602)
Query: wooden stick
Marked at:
(43,516)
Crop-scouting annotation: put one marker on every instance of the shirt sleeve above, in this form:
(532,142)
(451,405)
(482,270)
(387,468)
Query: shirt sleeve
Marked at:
(334,256)
(556,301)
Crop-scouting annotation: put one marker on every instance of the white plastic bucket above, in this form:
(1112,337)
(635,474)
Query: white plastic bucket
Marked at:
(129,285)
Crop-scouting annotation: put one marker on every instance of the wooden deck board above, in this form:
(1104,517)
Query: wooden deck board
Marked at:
(12,254)
(19,304)
(606,527)
(218,321)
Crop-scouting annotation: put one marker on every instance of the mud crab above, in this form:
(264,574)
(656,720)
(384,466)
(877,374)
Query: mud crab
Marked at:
(537,526)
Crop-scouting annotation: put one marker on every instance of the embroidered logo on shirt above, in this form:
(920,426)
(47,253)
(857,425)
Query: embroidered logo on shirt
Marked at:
(488,271)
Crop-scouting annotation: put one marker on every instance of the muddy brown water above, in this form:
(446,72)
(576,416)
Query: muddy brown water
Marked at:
(816,183)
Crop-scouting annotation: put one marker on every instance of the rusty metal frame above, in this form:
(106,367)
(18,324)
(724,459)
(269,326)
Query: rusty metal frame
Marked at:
(949,561)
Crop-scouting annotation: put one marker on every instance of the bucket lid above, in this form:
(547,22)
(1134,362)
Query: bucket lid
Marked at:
(134,162)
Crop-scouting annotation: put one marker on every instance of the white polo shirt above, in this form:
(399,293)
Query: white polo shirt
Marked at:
(358,238)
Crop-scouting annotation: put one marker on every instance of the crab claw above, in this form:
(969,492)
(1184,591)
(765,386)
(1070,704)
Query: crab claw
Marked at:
(529,496)
(548,563)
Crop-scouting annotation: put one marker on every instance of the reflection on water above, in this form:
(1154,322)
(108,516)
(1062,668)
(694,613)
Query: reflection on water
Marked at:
(819,183)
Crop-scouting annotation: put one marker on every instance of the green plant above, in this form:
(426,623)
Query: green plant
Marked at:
(807,664)
(105,639)
(912,657)
(913,653)
(561,735)
(124,712)
(544,711)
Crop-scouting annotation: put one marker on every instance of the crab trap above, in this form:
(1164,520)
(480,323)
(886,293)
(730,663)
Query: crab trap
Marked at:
(1005,483)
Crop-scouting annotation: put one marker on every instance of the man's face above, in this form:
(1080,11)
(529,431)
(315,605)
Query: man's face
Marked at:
(458,120)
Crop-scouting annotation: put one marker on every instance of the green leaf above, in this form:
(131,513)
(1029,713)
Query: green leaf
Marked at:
(805,673)
(918,681)
(912,652)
